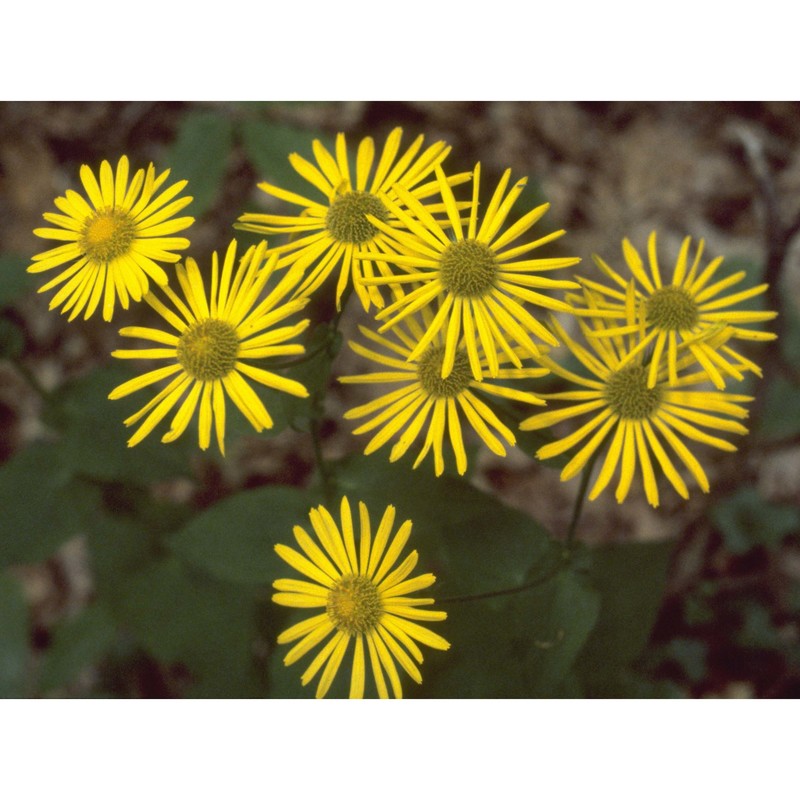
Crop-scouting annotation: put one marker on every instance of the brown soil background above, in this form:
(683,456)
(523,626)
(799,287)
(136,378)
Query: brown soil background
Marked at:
(725,172)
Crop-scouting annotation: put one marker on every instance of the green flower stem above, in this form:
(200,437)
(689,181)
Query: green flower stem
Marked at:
(580,497)
(562,564)
(330,347)
(326,475)
(567,553)
(31,379)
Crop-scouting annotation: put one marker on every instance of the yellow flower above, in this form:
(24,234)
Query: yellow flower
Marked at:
(639,419)
(476,279)
(361,601)
(329,231)
(113,244)
(687,310)
(425,398)
(214,338)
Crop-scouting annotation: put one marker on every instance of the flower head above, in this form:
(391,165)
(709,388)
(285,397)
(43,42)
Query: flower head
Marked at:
(476,278)
(113,246)
(687,310)
(214,339)
(638,418)
(426,400)
(362,600)
(328,231)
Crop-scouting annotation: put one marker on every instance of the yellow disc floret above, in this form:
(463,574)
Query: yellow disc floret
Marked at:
(347,221)
(208,349)
(468,268)
(429,372)
(107,235)
(354,604)
(628,395)
(672,308)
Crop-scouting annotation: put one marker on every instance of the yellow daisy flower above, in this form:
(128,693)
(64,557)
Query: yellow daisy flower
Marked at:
(215,337)
(479,282)
(425,398)
(113,244)
(686,310)
(362,601)
(639,419)
(329,231)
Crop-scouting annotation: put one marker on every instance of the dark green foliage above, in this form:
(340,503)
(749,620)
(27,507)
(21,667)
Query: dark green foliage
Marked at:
(182,616)
(746,520)
(15,280)
(630,579)
(200,155)
(93,438)
(234,540)
(43,504)
(77,643)
(268,145)
(14,651)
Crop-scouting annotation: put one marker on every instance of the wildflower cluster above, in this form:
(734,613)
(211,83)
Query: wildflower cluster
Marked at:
(467,317)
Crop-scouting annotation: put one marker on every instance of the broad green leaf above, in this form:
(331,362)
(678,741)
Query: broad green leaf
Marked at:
(746,520)
(779,417)
(94,438)
(268,146)
(12,339)
(628,684)
(522,646)
(120,547)
(468,539)
(183,616)
(77,643)
(15,281)
(42,504)
(200,155)
(789,342)
(313,372)
(234,539)
(14,649)
(630,580)
(689,654)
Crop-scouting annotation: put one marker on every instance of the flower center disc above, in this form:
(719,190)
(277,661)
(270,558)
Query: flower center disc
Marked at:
(207,350)
(468,268)
(671,308)
(429,372)
(347,221)
(628,395)
(354,605)
(107,235)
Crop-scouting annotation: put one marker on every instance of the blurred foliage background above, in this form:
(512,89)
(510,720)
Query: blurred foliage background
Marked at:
(147,572)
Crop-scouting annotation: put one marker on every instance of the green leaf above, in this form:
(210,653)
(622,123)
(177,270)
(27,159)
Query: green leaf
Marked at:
(14,650)
(746,520)
(77,643)
(521,647)
(287,410)
(268,146)
(120,547)
(43,506)
(15,281)
(234,539)
(12,339)
(779,417)
(183,616)
(94,438)
(630,579)
(469,540)
(689,654)
(200,154)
